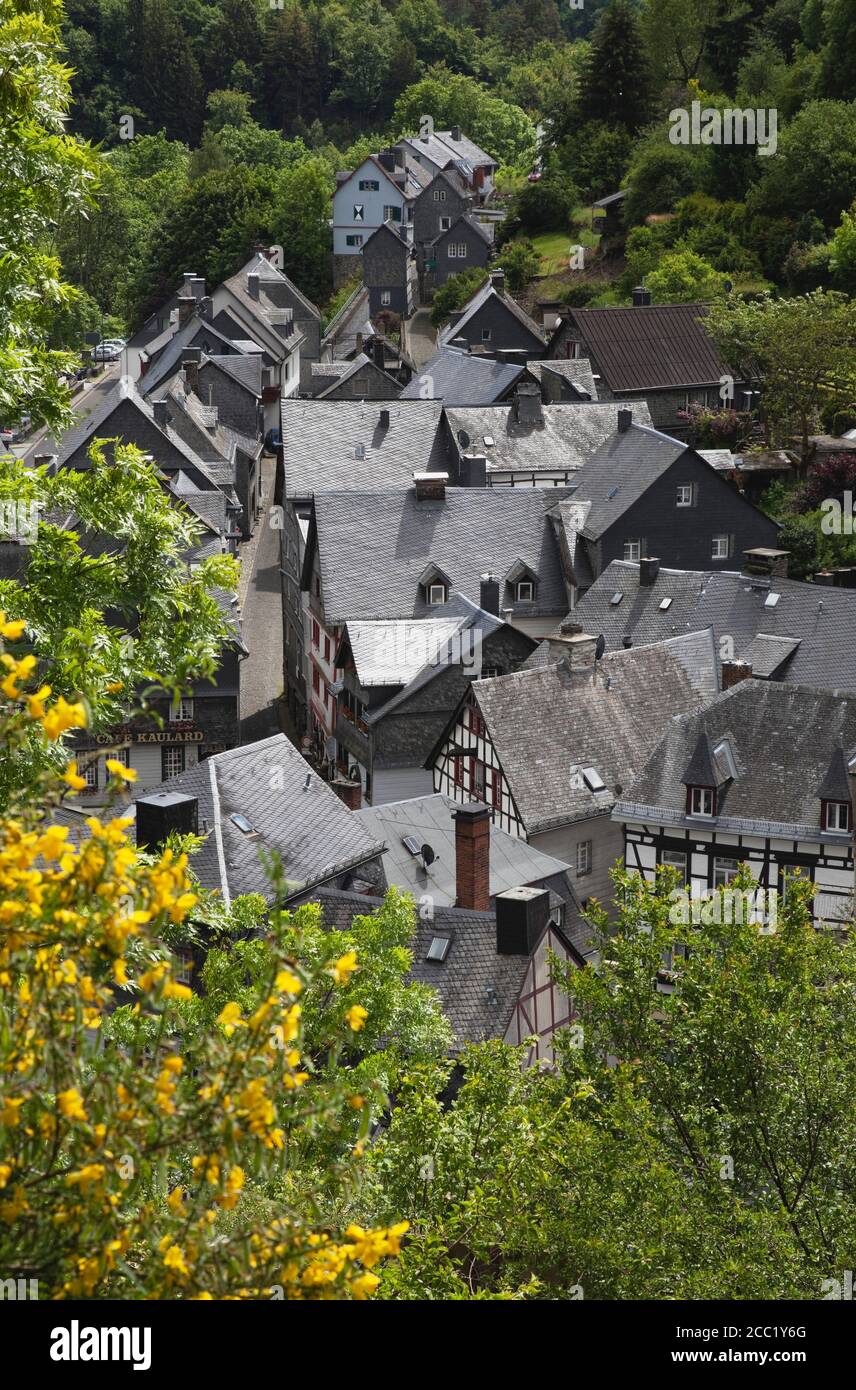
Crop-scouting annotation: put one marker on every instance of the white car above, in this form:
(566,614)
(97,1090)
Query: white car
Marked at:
(109,350)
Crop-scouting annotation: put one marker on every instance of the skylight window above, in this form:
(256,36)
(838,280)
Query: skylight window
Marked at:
(771,600)
(489,441)
(611,493)
(439,948)
(242,823)
(593,780)
(615,600)
(412,844)
(360,452)
(665,603)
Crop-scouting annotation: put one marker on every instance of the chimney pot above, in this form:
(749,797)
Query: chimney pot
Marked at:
(641,297)
(521,917)
(625,419)
(649,568)
(472,856)
(351,793)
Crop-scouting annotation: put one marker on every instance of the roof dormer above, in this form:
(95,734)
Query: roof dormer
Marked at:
(836,807)
(522,581)
(706,773)
(435,585)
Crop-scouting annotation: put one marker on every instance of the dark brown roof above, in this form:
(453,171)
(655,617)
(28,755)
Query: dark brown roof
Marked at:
(650,346)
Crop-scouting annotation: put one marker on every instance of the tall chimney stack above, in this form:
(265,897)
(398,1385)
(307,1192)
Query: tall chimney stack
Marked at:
(472,856)
(733,672)
(521,916)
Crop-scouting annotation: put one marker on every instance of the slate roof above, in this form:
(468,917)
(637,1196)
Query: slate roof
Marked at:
(320,440)
(375,547)
(429,819)
(576,371)
(784,738)
(462,378)
(476,302)
(547,725)
(482,230)
(350,369)
(701,770)
(391,652)
(462,979)
(567,437)
(650,347)
(341,332)
(313,832)
(266,313)
(620,472)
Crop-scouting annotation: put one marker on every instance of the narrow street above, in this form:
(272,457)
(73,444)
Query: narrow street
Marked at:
(261,608)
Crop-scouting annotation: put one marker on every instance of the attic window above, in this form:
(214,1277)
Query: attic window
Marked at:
(702,801)
(436,594)
(593,780)
(837,816)
(615,600)
(242,823)
(439,948)
(525,591)
(665,603)
(360,452)
(771,600)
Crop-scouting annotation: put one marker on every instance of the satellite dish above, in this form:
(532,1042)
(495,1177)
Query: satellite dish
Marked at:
(428,855)
(463,439)
(600,648)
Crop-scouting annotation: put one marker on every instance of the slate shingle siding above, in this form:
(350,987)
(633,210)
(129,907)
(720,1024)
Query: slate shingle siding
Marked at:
(427,211)
(386,267)
(238,408)
(506,330)
(132,426)
(681,537)
(477,257)
(367,384)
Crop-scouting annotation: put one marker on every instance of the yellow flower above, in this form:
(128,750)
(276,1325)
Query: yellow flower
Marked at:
(62,716)
(120,771)
(356,1017)
(171,990)
(36,703)
(356,1102)
(174,1260)
(364,1285)
(343,968)
(9,1113)
(288,983)
(230,1018)
(11,628)
(86,1177)
(72,777)
(71,1104)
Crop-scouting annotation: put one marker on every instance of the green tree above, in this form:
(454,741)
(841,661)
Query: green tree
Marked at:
(682,277)
(814,169)
(165,81)
(616,81)
(803,348)
(520,261)
(45,175)
(843,258)
(499,127)
(455,293)
(836,77)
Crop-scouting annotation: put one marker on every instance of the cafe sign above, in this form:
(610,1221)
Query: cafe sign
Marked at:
(153,736)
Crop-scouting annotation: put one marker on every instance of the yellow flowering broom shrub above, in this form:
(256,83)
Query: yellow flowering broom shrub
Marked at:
(123,1168)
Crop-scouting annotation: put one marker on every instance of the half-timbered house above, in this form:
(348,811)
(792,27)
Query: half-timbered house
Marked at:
(762,777)
(549,750)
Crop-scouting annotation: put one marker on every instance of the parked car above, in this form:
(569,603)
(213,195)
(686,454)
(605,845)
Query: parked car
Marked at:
(535,175)
(14,434)
(109,350)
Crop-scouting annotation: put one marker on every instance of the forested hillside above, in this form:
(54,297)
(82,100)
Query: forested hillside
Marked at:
(222,121)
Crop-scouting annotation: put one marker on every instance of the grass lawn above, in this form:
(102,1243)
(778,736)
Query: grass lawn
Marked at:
(554,248)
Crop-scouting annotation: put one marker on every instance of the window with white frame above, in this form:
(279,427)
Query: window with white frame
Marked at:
(724,870)
(525,591)
(386,297)
(684,494)
(720,548)
(436,593)
(674,859)
(632,550)
(838,815)
(445,224)
(439,195)
(701,801)
(354,239)
(182,709)
(457,250)
(172,761)
(485,335)
(583,857)
(90,772)
(391,213)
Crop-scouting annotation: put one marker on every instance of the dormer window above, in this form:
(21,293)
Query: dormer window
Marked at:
(437,593)
(524,591)
(522,581)
(435,586)
(837,817)
(702,801)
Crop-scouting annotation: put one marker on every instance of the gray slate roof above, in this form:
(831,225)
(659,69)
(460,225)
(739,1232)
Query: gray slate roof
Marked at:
(462,979)
(548,724)
(783,737)
(575,370)
(314,833)
(462,378)
(620,471)
(321,439)
(812,625)
(567,437)
(374,547)
(476,302)
(429,819)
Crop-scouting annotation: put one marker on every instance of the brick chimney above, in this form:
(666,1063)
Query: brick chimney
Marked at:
(348,791)
(521,916)
(649,568)
(763,561)
(733,672)
(573,645)
(190,360)
(472,856)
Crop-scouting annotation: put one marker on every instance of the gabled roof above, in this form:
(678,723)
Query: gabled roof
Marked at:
(388,229)
(767,655)
(349,370)
(785,738)
(548,725)
(650,347)
(566,436)
(374,548)
(476,303)
(292,811)
(321,440)
(482,231)
(452,177)
(575,371)
(620,471)
(701,770)
(462,378)
(391,651)
(836,784)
